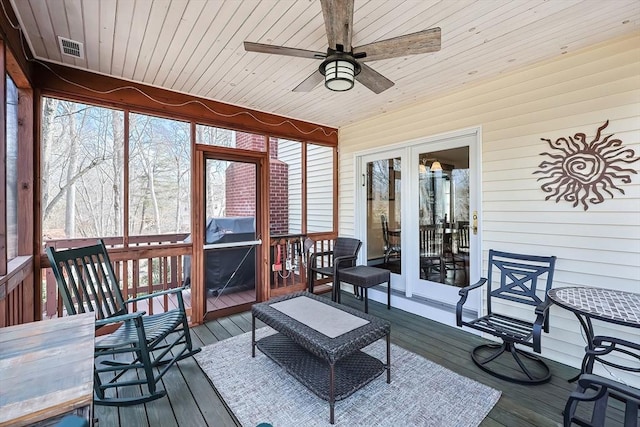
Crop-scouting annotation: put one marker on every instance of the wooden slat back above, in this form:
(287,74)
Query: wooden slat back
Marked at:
(86,281)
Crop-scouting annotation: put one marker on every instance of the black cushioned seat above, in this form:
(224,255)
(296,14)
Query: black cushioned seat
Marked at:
(365,277)
(327,263)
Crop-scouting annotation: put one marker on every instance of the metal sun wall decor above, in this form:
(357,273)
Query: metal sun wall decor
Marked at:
(582,172)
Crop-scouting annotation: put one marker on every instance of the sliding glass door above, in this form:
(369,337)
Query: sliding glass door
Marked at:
(444,227)
(417,216)
(382,183)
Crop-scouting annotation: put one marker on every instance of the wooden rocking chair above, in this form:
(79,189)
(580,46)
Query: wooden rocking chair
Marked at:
(87,283)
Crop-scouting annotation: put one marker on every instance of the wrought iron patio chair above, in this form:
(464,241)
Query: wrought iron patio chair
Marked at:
(392,242)
(597,389)
(326,263)
(87,283)
(512,281)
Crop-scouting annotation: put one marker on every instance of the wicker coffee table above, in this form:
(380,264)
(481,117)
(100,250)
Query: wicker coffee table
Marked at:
(319,343)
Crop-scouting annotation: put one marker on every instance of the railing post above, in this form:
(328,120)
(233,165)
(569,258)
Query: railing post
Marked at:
(52,294)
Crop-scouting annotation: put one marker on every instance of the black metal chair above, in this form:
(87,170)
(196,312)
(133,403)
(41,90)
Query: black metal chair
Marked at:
(326,264)
(513,278)
(432,252)
(596,389)
(392,242)
(87,283)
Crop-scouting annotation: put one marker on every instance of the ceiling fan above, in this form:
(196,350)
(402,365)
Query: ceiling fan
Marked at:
(342,63)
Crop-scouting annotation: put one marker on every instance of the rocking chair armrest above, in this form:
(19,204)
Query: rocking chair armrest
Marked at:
(155,294)
(119,318)
(464,294)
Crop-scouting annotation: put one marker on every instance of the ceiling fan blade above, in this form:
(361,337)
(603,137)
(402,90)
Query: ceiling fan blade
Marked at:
(338,21)
(373,80)
(282,50)
(411,44)
(310,82)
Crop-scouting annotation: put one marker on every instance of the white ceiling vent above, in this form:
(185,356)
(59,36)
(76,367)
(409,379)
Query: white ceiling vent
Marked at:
(71,47)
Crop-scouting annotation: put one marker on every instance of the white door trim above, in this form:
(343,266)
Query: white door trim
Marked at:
(404,150)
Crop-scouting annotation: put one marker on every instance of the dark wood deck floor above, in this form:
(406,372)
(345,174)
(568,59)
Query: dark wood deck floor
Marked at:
(192,401)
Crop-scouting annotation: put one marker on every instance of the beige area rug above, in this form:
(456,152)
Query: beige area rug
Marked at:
(421,393)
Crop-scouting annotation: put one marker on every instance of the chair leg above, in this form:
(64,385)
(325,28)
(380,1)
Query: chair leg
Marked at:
(534,369)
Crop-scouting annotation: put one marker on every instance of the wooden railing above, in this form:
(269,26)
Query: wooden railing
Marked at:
(148,264)
(289,261)
(17,300)
(154,263)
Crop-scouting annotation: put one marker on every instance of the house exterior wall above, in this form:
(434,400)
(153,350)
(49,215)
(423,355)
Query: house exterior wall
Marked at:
(577,93)
(319,189)
(290,155)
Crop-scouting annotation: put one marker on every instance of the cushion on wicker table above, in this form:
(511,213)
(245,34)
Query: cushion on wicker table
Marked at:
(327,348)
(324,318)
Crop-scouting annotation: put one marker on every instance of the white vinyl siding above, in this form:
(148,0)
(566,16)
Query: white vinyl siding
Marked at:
(319,183)
(290,152)
(319,188)
(559,98)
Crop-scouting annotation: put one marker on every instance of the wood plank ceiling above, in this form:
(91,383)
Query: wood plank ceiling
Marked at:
(195,46)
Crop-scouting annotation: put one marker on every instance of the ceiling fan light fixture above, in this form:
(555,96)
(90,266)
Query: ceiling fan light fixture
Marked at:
(339,75)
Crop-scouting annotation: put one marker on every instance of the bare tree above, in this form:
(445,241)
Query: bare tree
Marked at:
(117,163)
(49,107)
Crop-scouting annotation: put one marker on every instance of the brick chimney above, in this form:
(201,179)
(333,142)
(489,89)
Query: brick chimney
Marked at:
(240,184)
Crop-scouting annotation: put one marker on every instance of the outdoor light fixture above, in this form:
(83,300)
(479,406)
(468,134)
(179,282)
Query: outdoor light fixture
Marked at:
(340,71)
(339,75)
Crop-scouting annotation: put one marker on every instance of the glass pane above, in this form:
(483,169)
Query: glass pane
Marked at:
(230,207)
(82,170)
(12,169)
(384,203)
(285,187)
(319,188)
(159,176)
(443,183)
(210,135)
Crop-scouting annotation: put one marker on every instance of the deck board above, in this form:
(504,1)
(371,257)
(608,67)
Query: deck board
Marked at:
(193,401)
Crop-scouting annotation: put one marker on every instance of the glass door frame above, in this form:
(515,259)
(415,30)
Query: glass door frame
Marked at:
(397,280)
(198,220)
(408,152)
(447,294)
